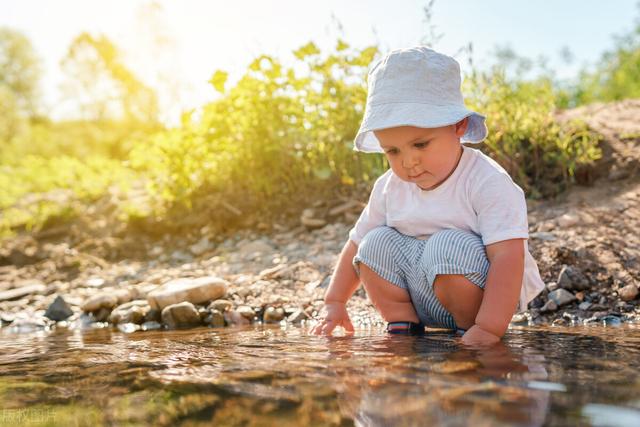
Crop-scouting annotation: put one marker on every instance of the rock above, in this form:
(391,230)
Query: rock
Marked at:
(130,312)
(221,305)
(17,293)
(128,328)
(201,247)
(95,282)
(273,315)
(181,256)
(98,301)
(309,220)
(298,316)
(568,220)
(628,292)
(181,315)
(195,291)
(151,325)
(572,278)
(345,207)
(549,306)
(246,312)
(543,235)
(215,319)
(58,310)
(253,247)
(552,286)
(233,317)
(585,305)
(561,297)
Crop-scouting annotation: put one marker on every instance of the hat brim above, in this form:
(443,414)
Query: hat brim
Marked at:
(419,115)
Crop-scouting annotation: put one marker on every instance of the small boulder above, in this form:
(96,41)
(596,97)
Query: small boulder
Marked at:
(181,315)
(246,312)
(572,278)
(98,301)
(221,305)
(628,292)
(273,314)
(195,291)
(130,312)
(58,310)
(549,306)
(561,297)
(215,319)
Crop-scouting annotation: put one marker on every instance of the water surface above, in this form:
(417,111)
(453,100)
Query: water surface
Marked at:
(263,376)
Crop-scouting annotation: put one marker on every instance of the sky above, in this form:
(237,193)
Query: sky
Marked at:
(176,45)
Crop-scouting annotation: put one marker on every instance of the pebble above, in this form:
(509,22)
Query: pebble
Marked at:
(549,306)
(181,315)
(567,220)
(628,292)
(572,278)
(215,319)
(561,297)
(233,317)
(17,293)
(195,291)
(273,314)
(99,301)
(130,312)
(58,310)
(221,305)
(246,312)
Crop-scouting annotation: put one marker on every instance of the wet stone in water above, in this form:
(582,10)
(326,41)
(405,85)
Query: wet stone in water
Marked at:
(195,291)
(58,310)
(182,315)
(130,312)
(273,314)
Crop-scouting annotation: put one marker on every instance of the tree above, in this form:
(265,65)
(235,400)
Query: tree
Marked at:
(19,77)
(101,84)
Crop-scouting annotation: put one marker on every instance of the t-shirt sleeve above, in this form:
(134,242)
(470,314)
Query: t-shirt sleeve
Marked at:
(374,213)
(501,208)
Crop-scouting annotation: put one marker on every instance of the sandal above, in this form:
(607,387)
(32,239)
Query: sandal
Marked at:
(405,328)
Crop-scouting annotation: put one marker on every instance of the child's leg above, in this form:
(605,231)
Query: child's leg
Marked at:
(393,303)
(383,258)
(460,297)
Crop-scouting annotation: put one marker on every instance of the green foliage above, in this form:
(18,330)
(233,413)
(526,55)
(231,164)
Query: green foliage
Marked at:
(538,152)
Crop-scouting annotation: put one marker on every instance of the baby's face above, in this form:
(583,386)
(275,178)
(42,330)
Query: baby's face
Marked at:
(424,156)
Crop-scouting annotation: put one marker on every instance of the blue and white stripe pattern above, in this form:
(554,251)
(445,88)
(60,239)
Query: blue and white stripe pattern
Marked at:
(413,264)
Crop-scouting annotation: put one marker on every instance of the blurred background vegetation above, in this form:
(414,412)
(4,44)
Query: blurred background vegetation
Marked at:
(274,143)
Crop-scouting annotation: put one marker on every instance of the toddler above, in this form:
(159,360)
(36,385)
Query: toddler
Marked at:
(442,241)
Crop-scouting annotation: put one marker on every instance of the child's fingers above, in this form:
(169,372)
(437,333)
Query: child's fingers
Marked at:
(328,327)
(348,326)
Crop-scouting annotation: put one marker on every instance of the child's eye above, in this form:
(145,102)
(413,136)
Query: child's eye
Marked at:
(392,151)
(420,144)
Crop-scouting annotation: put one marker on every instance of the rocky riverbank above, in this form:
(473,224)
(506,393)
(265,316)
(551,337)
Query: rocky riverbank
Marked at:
(86,275)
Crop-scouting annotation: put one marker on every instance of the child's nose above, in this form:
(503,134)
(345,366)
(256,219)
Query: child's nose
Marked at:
(410,161)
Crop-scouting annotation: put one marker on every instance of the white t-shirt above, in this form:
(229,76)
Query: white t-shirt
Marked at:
(479,196)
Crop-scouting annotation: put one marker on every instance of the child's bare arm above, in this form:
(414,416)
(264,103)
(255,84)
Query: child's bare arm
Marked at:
(501,292)
(343,284)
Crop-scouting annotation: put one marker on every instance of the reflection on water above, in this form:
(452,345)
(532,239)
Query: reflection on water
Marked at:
(270,376)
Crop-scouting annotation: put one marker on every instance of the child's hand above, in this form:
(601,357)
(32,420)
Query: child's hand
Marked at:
(336,315)
(478,336)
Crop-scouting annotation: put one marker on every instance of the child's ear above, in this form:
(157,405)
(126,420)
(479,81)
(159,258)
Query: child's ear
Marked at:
(461,126)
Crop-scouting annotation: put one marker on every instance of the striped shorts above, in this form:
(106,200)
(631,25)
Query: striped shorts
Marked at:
(413,264)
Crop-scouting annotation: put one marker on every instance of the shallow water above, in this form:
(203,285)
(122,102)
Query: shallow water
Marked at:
(263,376)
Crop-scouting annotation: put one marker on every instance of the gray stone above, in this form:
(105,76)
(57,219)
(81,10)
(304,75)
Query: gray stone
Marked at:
(181,315)
(552,286)
(572,278)
(273,315)
(561,297)
(58,310)
(628,292)
(130,312)
(585,305)
(543,235)
(195,291)
(201,247)
(549,306)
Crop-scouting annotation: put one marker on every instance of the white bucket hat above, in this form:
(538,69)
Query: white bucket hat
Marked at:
(415,87)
